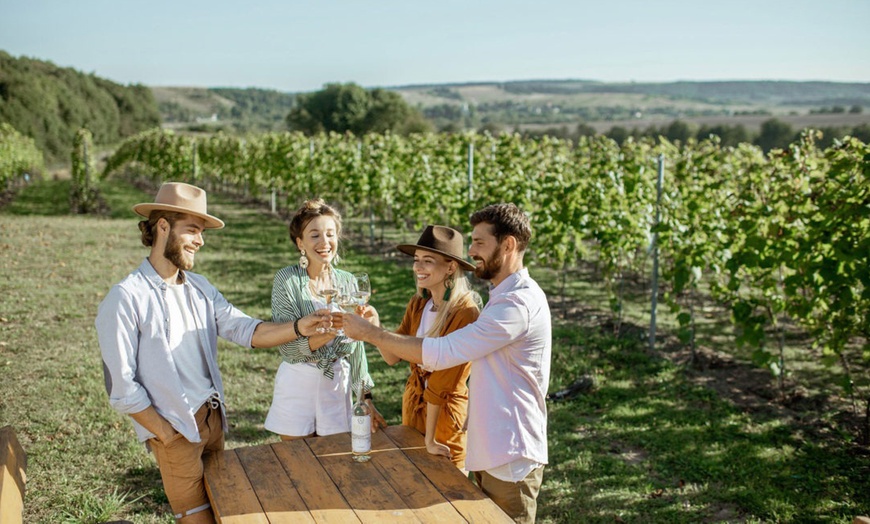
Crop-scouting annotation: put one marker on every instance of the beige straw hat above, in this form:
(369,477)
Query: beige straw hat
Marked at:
(181,198)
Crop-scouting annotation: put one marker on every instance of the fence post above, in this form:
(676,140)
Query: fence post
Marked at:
(655,253)
(470,172)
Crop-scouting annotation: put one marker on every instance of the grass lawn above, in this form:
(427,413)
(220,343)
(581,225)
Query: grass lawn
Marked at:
(648,444)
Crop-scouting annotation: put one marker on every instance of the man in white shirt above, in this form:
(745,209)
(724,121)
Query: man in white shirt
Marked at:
(158,331)
(509,347)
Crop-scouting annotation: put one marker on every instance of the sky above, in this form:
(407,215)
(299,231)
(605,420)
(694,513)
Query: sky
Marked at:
(296,46)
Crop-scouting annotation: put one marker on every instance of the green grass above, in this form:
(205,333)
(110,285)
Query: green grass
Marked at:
(647,445)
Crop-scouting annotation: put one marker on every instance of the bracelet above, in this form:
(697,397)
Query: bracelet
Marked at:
(367,395)
(296,328)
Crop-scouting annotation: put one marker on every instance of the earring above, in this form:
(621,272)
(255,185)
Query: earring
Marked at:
(303,260)
(448,287)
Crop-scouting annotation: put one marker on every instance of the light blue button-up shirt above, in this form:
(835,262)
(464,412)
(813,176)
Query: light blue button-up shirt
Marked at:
(509,348)
(133,330)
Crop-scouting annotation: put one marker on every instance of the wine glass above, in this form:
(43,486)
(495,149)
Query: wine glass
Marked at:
(363,289)
(347,301)
(325,288)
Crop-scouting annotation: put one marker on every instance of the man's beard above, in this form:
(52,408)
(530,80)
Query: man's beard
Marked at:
(174,252)
(489,267)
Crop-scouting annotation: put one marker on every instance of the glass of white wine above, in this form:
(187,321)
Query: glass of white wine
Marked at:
(325,288)
(347,301)
(363,289)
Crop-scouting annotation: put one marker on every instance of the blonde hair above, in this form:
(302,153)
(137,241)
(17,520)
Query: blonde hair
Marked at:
(461,296)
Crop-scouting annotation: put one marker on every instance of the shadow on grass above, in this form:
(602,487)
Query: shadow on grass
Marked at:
(145,482)
(247,425)
(647,445)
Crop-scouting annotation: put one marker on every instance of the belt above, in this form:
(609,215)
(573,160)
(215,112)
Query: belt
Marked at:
(214,401)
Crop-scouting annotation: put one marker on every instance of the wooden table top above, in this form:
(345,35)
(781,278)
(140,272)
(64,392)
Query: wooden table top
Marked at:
(315,480)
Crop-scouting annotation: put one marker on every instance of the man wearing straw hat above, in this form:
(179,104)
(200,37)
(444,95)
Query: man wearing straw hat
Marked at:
(158,331)
(509,348)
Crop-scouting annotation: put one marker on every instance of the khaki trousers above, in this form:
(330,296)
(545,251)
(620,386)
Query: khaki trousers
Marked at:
(518,499)
(181,463)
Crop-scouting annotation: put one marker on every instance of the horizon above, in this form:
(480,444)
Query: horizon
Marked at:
(480,82)
(485,82)
(297,47)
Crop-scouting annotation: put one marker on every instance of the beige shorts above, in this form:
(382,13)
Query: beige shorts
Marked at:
(181,463)
(305,401)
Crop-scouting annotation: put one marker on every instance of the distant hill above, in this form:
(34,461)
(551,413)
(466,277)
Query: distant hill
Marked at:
(50,103)
(746,92)
(556,102)
(764,93)
(538,104)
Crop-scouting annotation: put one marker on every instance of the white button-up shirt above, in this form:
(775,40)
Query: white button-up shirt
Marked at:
(509,347)
(138,364)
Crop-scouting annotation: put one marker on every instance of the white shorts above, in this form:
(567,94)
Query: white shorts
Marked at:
(305,401)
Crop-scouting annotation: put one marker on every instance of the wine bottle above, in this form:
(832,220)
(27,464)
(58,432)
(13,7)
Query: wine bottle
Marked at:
(361,428)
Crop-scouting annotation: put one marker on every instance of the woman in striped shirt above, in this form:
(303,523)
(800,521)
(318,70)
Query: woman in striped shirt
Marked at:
(313,385)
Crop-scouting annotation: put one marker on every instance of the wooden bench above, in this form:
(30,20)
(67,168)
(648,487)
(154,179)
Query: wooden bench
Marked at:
(13,462)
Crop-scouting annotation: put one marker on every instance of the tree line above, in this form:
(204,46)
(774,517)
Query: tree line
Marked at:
(774,133)
(50,104)
(349,108)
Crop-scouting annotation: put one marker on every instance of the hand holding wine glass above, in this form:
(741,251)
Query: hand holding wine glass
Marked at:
(324,288)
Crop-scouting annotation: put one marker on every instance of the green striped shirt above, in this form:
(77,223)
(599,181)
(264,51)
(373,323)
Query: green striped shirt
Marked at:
(291,299)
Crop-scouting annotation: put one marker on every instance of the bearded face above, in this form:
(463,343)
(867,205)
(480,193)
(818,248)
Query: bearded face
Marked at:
(490,266)
(175,253)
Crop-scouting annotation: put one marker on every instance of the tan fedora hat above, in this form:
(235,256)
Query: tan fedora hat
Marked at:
(180,198)
(443,240)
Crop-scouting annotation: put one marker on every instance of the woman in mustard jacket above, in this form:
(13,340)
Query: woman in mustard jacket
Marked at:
(436,403)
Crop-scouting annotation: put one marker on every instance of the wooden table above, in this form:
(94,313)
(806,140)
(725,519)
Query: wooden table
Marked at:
(315,480)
